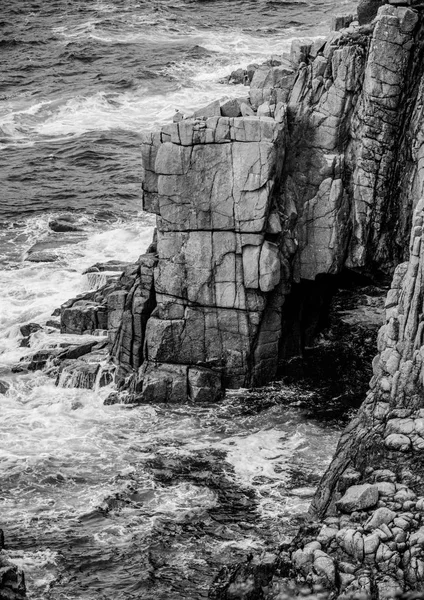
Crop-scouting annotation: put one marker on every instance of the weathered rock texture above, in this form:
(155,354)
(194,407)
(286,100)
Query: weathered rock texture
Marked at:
(310,183)
(367,533)
(220,277)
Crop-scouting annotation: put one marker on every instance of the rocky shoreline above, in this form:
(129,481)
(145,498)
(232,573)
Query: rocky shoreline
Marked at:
(264,206)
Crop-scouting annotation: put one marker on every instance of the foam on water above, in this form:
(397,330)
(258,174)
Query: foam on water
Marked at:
(31,291)
(77,481)
(196,83)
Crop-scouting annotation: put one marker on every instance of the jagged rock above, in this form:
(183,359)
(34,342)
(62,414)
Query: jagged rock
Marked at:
(53,323)
(271,85)
(210,215)
(83,316)
(12,581)
(29,329)
(211,110)
(232,107)
(246,110)
(238,76)
(358,497)
(4,386)
(127,318)
(111,265)
(74,352)
(341,21)
(88,371)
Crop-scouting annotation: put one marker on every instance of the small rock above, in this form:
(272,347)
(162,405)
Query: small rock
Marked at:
(358,497)
(238,76)
(371,543)
(420,504)
(345,580)
(246,110)
(386,488)
(404,495)
(402,523)
(417,538)
(63,224)
(397,441)
(380,516)
(231,108)
(177,117)
(384,475)
(29,329)
(326,535)
(4,386)
(211,110)
(324,565)
(347,567)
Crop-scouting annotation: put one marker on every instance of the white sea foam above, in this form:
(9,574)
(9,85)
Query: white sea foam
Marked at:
(31,292)
(197,82)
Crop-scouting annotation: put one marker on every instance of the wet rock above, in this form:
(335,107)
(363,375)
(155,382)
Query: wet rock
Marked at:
(74,352)
(12,581)
(83,316)
(29,329)
(40,358)
(239,76)
(358,497)
(111,265)
(86,372)
(63,224)
(37,256)
(4,386)
(53,323)
(49,249)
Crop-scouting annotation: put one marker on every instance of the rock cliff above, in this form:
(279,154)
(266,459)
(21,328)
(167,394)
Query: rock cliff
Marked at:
(306,180)
(320,172)
(366,530)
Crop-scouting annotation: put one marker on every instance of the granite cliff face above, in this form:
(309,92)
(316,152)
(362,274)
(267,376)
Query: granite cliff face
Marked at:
(319,173)
(304,179)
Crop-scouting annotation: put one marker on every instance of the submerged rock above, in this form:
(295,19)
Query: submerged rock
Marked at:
(64,224)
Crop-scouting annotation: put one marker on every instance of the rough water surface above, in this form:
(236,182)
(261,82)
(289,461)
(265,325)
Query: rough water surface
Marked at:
(118,501)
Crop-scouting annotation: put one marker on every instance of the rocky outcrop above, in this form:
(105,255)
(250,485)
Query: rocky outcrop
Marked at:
(308,184)
(12,580)
(366,534)
(220,279)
